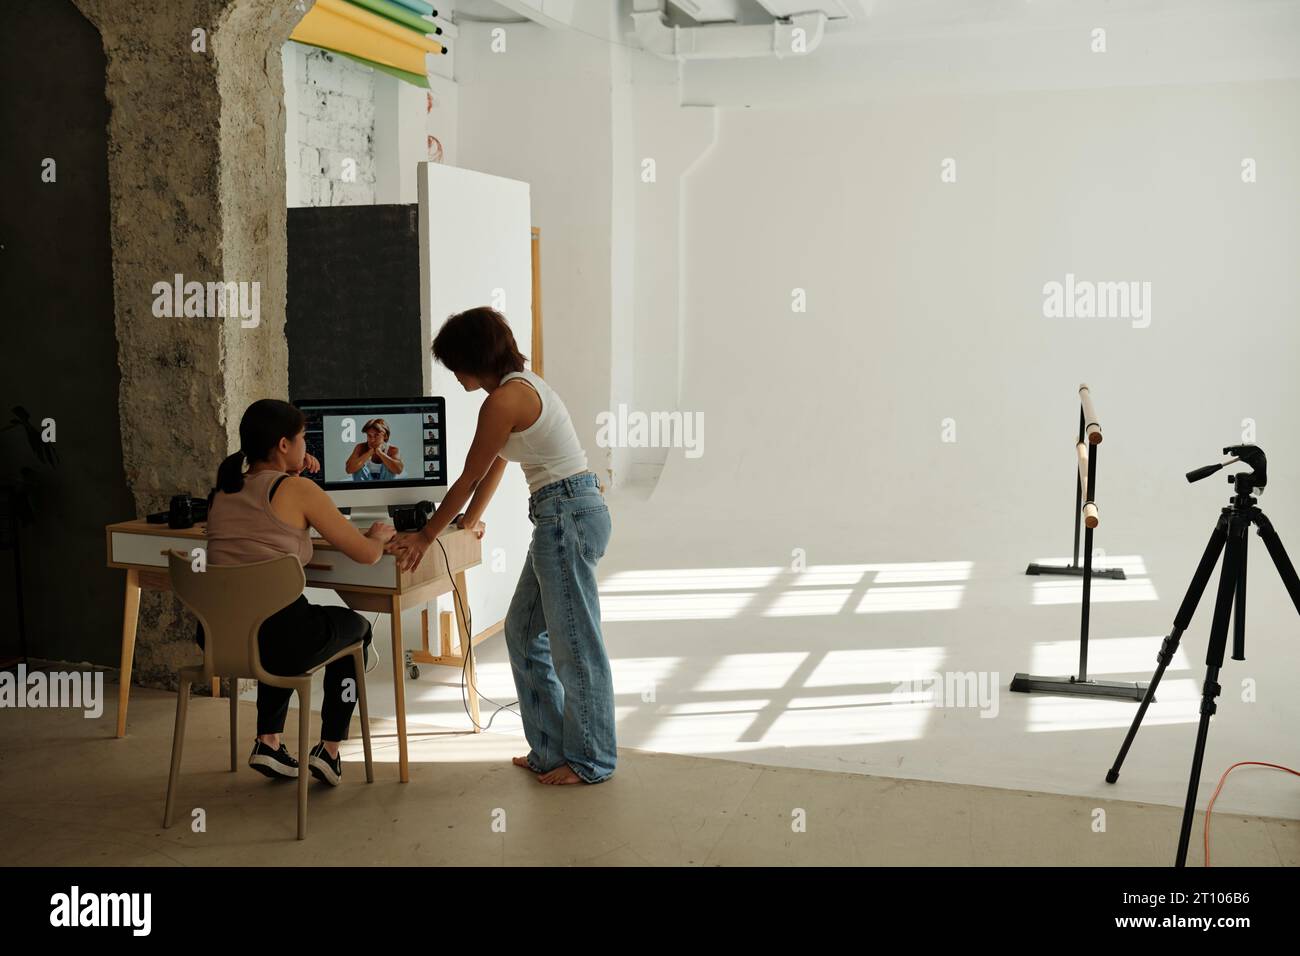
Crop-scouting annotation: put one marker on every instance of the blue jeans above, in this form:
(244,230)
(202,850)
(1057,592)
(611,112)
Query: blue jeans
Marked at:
(557,653)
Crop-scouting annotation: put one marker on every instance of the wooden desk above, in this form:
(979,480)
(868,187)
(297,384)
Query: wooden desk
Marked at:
(140,548)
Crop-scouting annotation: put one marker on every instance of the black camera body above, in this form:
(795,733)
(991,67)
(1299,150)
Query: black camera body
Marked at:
(185,512)
(410,517)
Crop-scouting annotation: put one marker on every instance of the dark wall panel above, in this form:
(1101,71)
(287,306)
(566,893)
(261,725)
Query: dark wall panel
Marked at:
(58,345)
(353,313)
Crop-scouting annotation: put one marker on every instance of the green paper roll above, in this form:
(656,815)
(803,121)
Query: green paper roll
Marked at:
(415,79)
(419,6)
(396,13)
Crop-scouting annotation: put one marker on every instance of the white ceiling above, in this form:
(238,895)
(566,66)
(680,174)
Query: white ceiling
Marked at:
(890,47)
(923,47)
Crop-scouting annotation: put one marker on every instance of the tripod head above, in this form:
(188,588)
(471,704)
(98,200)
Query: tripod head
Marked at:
(1246,482)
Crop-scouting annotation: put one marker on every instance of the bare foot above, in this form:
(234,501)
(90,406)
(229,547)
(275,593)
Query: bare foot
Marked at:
(521,762)
(561,774)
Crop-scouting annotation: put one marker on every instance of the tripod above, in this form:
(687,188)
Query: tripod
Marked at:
(1230,538)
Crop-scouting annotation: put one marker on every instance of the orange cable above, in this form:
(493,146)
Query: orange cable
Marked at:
(1210,807)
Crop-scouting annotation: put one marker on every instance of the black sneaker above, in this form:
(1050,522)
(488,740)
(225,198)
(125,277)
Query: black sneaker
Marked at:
(273,763)
(325,768)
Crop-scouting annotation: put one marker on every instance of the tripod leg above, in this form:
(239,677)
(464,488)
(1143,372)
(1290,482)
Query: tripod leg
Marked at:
(1280,559)
(1208,707)
(1182,620)
(1229,587)
(1239,609)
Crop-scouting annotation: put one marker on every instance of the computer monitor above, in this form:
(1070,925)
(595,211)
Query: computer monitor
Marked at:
(379,451)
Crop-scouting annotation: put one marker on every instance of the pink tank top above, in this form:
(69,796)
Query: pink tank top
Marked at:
(243,528)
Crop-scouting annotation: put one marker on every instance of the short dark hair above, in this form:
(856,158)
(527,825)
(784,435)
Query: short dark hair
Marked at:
(478,341)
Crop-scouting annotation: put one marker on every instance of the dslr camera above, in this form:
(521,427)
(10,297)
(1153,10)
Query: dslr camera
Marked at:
(410,517)
(185,512)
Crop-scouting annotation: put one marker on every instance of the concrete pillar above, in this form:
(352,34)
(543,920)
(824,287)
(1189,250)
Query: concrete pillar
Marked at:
(197,188)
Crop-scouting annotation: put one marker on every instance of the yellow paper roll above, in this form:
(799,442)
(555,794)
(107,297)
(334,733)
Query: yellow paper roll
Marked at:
(337,25)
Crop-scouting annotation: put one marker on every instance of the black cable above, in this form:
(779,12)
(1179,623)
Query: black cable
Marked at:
(467,650)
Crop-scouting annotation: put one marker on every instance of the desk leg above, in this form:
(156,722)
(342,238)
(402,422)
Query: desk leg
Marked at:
(467,650)
(130,621)
(399,688)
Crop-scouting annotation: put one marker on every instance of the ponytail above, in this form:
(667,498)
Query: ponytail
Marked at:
(230,474)
(265,422)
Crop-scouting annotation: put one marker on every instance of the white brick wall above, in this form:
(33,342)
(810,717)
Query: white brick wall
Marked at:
(337,109)
(335,122)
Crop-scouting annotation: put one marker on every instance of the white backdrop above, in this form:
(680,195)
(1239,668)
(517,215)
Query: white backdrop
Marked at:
(925,303)
(823,435)
(476,249)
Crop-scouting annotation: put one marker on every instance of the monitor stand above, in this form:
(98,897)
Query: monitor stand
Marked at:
(363,517)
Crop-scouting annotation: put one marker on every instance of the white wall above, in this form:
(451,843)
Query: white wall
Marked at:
(412,126)
(576,115)
(823,429)
(622,248)
(925,302)
(925,298)
(676,138)
(540,112)
(904,51)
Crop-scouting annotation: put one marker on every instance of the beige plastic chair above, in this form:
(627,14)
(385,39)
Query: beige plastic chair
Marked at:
(231,602)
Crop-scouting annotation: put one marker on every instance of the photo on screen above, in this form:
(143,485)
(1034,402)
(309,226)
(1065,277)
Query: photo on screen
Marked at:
(384,447)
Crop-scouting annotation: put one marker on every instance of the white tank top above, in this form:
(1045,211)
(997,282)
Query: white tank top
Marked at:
(548,449)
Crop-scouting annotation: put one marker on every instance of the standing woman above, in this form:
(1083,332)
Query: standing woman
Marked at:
(557,652)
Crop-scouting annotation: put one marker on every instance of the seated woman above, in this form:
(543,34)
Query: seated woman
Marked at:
(263,513)
(374,459)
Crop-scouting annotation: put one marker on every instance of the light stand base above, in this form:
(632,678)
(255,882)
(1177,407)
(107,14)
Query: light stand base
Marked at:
(1117,690)
(1076,570)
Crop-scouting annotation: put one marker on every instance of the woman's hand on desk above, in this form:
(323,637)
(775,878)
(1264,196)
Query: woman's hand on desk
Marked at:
(409,546)
(381,532)
(478,527)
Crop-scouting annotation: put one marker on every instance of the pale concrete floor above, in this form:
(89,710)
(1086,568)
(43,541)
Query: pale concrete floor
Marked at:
(749,660)
(72,795)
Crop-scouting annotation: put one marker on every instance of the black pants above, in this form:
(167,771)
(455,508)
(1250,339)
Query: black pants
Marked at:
(297,638)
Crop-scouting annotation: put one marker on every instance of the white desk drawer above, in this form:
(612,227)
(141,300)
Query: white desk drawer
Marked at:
(148,548)
(343,570)
(135,544)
